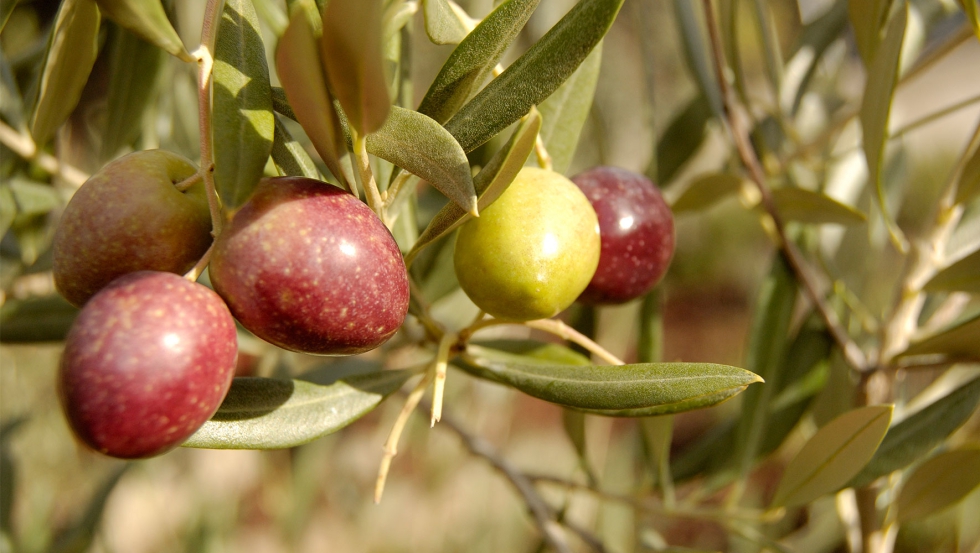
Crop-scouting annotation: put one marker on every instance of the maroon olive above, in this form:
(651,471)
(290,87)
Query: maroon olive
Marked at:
(637,232)
(310,268)
(147,362)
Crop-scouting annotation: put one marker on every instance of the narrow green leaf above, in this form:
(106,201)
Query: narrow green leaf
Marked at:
(80,535)
(916,435)
(705,191)
(769,339)
(867,19)
(33,198)
(421,146)
(535,75)
(266,413)
(962,338)
(289,156)
(71,55)
(805,206)
(627,390)
(133,71)
(242,113)
(695,40)
(352,57)
(147,19)
(972,11)
(11,101)
(299,68)
(36,320)
(564,113)
(8,208)
(683,137)
(489,183)
(962,276)
(280,104)
(475,57)
(939,483)
(968,186)
(441,23)
(833,455)
(875,111)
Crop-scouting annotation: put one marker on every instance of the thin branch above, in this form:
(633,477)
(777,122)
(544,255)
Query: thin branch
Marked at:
(365,176)
(551,326)
(543,514)
(852,353)
(198,268)
(391,444)
(23,145)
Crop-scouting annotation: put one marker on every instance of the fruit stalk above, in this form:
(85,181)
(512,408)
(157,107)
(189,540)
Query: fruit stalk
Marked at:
(205,63)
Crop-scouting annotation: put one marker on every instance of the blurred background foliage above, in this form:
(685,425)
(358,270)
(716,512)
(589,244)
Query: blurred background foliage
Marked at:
(649,115)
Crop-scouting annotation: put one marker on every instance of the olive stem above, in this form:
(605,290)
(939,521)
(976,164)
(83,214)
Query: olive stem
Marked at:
(365,176)
(852,353)
(439,368)
(23,145)
(391,444)
(551,326)
(195,272)
(190,181)
(544,158)
(205,63)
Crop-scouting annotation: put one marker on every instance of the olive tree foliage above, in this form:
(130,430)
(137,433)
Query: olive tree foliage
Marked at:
(855,301)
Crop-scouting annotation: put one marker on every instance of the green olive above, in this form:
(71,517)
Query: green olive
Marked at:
(531,252)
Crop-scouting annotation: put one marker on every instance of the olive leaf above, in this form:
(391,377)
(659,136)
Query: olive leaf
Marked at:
(280,104)
(867,19)
(960,276)
(705,191)
(695,41)
(833,455)
(913,437)
(32,320)
(959,339)
(806,206)
(299,68)
(534,75)
(71,54)
(564,113)
(938,483)
(628,390)
(683,137)
(133,70)
(475,57)
(421,146)
(11,101)
(489,183)
(441,23)
(147,19)
(351,46)
(267,413)
(289,156)
(875,111)
(243,120)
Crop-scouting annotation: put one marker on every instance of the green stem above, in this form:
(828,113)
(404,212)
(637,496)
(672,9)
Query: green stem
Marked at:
(365,177)
(551,326)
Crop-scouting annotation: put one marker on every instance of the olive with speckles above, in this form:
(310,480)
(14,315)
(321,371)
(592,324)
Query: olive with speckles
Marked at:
(148,360)
(637,231)
(310,268)
(130,217)
(532,251)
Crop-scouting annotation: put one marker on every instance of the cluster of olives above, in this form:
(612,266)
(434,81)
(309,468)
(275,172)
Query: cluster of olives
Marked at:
(308,267)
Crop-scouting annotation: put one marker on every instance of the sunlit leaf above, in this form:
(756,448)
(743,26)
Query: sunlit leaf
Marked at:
(475,57)
(36,320)
(71,55)
(352,57)
(875,111)
(489,183)
(962,276)
(266,413)
(969,182)
(441,23)
(833,455)
(938,483)
(421,146)
(535,75)
(628,390)
(705,191)
(916,435)
(867,19)
(147,19)
(959,339)
(133,71)
(564,113)
(242,112)
(299,68)
(805,206)
(289,156)
(683,137)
